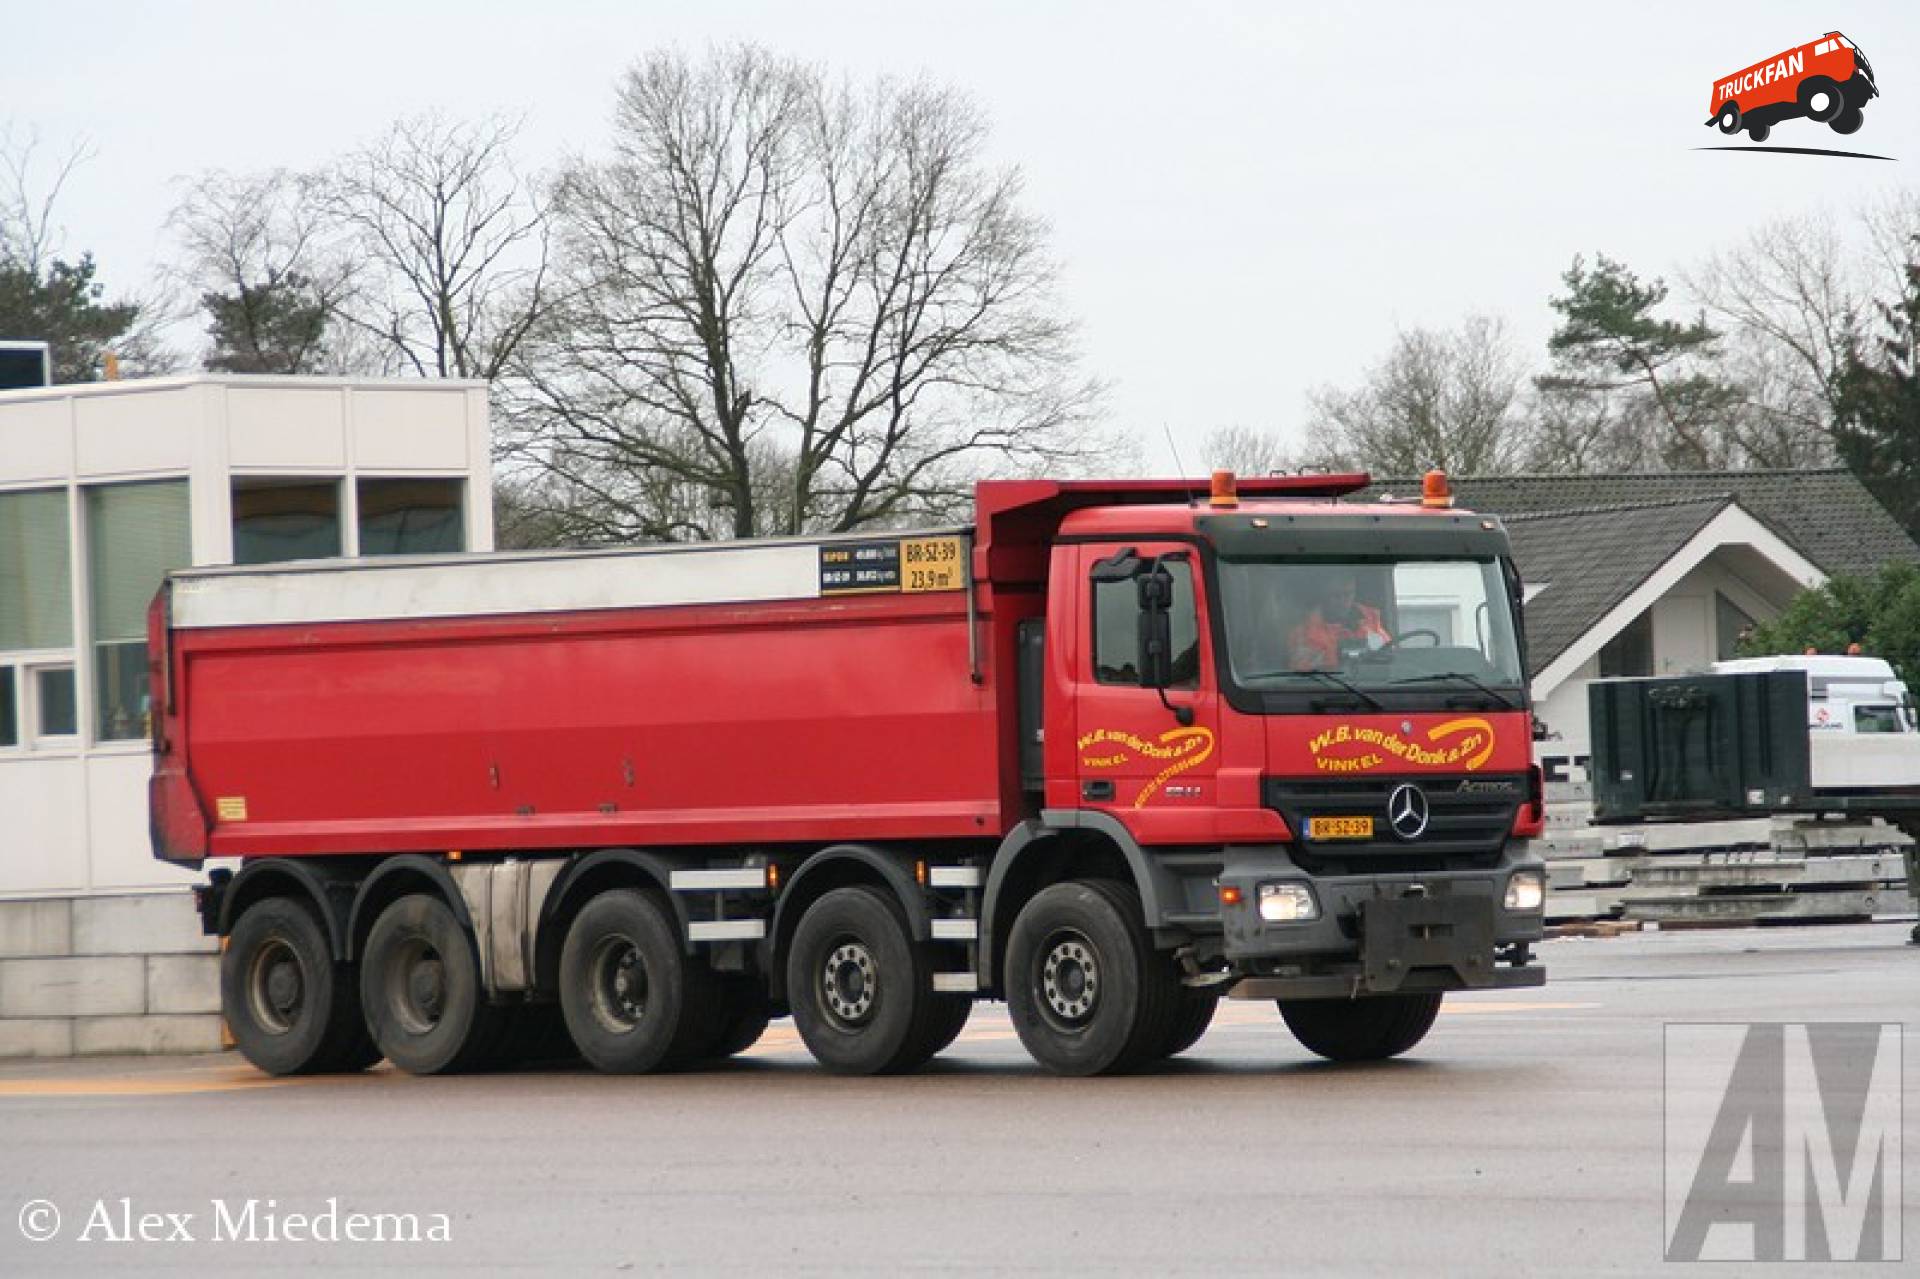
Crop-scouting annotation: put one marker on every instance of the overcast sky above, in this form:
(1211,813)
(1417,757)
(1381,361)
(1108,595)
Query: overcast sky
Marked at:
(1248,198)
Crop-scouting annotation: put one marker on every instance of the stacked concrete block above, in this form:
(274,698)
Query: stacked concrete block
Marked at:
(101,975)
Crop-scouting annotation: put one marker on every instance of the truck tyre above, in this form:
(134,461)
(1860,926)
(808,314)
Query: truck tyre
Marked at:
(948,1019)
(1759,131)
(1087,992)
(1848,121)
(1191,1022)
(1821,98)
(1729,118)
(861,990)
(420,983)
(292,1010)
(740,1016)
(1369,1029)
(633,1001)
(533,1035)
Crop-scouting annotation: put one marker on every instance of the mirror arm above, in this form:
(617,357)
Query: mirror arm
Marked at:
(1183,715)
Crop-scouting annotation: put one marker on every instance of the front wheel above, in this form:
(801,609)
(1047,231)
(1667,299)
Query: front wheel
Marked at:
(1369,1029)
(1848,121)
(1088,993)
(1820,98)
(862,992)
(1759,132)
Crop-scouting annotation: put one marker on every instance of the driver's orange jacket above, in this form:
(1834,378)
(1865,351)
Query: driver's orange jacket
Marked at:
(1315,643)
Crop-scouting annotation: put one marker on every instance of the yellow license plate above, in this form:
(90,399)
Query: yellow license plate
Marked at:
(1340,828)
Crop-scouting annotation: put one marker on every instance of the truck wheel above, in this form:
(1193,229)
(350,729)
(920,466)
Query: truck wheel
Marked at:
(1729,118)
(1369,1029)
(1758,131)
(632,1000)
(861,990)
(292,1010)
(1195,1015)
(1087,992)
(420,983)
(1820,98)
(1848,121)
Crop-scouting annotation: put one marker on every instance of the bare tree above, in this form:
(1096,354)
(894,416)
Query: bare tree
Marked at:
(450,241)
(264,262)
(29,236)
(794,305)
(1440,398)
(1246,450)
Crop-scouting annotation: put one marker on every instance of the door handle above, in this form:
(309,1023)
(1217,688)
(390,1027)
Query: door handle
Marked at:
(1096,790)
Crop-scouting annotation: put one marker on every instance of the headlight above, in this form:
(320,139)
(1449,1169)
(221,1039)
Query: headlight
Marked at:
(1287,903)
(1526,890)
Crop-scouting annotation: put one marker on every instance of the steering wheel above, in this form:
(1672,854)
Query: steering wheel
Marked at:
(1395,641)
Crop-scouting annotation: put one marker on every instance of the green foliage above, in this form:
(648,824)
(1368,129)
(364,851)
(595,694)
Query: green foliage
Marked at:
(1880,613)
(267,328)
(1641,375)
(63,307)
(1877,409)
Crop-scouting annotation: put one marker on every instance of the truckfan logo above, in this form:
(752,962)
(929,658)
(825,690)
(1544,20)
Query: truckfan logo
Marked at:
(1407,811)
(1828,81)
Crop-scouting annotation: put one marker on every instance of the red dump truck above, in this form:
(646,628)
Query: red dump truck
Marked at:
(1109,753)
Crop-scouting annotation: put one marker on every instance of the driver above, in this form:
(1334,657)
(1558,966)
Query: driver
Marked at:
(1338,621)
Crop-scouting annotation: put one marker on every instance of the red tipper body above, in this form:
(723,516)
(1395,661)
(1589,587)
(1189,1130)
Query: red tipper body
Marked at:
(751,694)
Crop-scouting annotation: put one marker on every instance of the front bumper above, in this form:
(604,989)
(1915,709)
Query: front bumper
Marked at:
(1378,934)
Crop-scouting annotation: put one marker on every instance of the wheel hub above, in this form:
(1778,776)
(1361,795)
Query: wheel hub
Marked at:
(277,988)
(1070,979)
(619,984)
(849,982)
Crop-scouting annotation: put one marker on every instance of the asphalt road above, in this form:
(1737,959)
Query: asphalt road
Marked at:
(1524,1135)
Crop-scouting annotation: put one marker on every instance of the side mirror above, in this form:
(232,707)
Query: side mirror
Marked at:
(1156,627)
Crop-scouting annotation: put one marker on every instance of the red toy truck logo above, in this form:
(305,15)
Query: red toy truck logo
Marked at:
(1827,80)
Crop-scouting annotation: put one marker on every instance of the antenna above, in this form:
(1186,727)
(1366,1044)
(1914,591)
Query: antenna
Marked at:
(1194,495)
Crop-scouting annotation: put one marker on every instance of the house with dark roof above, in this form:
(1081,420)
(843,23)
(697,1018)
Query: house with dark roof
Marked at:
(1655,574)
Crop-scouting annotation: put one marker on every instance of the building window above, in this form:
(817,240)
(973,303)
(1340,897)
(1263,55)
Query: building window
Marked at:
(1731,625)
(1631,651)
(36,571)
(136,534)
(277,520)
(38,705)
(412,517)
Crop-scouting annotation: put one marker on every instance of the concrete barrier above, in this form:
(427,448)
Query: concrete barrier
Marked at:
(129,973)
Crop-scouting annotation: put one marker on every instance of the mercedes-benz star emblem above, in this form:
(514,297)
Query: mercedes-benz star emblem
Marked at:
(1407,811)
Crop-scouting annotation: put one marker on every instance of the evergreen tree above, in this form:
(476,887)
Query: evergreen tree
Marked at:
(1877,408)
(63,306)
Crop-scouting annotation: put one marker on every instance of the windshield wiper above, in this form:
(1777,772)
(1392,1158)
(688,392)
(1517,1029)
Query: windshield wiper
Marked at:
(1360,693)
(1463,677)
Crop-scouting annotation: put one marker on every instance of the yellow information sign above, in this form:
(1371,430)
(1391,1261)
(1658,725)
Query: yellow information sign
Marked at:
(932,564)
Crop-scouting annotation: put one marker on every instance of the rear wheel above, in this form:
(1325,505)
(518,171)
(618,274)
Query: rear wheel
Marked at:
(948,1017)
(1729,118)
(292,1010)
(420,983)
(861,990)
(1848,121)
(1088,993)
(1759,132)
(1369,1029)
(632,1001)
(740,1016)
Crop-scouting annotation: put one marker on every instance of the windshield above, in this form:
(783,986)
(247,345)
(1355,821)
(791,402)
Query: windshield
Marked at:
(1373,623)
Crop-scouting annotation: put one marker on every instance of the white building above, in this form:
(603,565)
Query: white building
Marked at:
(103,488)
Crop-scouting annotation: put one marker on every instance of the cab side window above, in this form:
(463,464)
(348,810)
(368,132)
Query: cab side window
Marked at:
(1116,629)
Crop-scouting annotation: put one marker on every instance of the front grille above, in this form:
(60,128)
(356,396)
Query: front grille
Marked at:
(1465,830)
